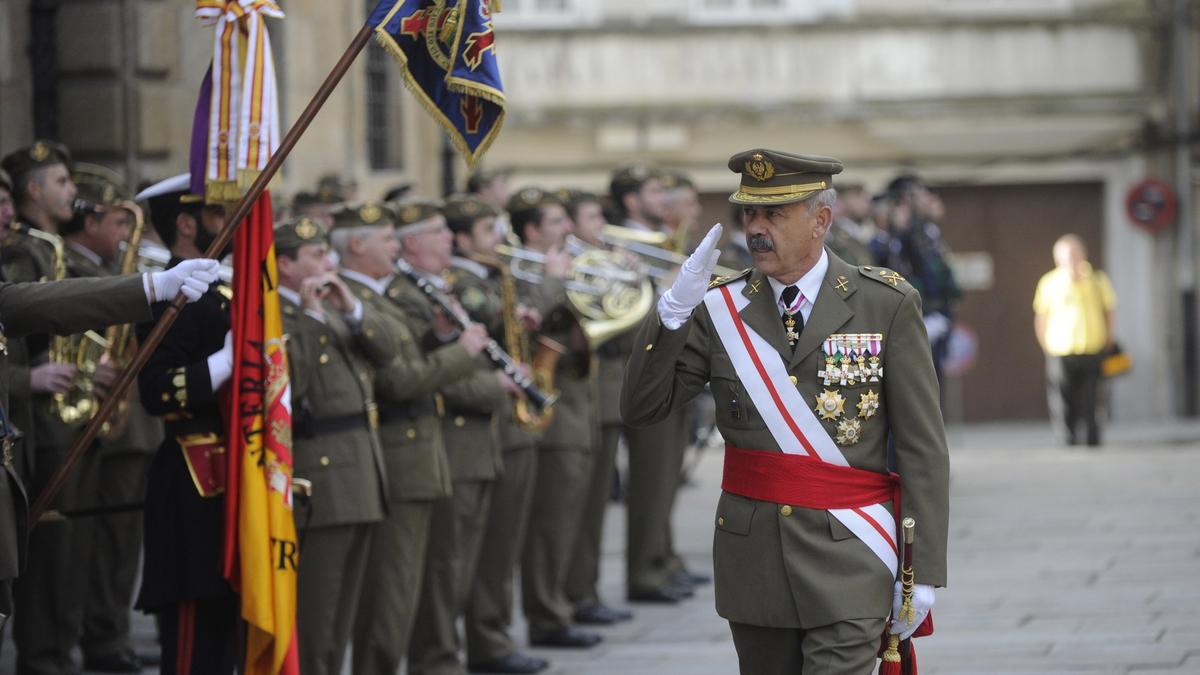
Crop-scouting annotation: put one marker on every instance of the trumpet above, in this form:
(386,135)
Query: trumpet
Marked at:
(652,247)
(522,259)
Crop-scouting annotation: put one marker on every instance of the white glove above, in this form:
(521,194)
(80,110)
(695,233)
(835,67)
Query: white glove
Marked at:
(190,276)
(922,602)
(676,305)
(937,326)
(220,363)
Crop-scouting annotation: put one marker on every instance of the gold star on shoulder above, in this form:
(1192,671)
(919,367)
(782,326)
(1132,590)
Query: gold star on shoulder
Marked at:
(849,431)
(868,404)
(830,404)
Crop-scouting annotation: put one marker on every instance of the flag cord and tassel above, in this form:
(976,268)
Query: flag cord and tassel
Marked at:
(146,348)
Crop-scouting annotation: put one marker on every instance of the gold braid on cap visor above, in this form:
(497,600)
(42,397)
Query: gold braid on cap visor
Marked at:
(778,193)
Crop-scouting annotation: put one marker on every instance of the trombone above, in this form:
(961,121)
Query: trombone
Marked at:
(521,260)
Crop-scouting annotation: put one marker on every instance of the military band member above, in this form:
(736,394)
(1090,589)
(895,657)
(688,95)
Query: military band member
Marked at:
(583,579)
(410,432)
(804,573)
(182,583)
(7,209)
(565,449)
(469,429)
(334,345)
(490,646)
(653,572)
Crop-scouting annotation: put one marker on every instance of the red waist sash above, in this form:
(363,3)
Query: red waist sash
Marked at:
(805,481)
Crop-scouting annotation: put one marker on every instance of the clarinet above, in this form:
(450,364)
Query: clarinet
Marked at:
(495,353)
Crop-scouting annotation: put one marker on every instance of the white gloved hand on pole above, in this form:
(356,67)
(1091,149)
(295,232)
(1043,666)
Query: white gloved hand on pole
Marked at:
(922,602)
(192,277)
(676,305)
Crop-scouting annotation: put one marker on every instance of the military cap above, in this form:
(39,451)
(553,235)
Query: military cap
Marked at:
(330,187)
(5,181)
(462,210)
(676,180)
(529,198)
(482,177)
(416,213)
(773,177)
(293,234)
(100,186)
(40,154)
(631,178)
(362,214)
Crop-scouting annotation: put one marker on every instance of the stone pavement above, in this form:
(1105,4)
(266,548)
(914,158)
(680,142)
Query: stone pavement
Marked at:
(1062,561)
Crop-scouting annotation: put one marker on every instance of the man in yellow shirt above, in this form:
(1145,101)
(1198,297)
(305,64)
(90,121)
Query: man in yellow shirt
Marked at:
(1073,308)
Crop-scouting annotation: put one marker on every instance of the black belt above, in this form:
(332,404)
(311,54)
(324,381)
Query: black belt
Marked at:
(408,412)
(308,427)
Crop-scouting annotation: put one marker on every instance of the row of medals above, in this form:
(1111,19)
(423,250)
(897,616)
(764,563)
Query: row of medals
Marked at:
(850,359)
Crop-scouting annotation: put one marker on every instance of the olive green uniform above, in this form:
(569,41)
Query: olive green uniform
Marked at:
(490,604)
(469,429)
(795,584)
(336,446)
(564,467)
(79,305)
(418,471)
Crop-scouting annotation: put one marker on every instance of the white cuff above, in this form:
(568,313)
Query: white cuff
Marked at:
(670,313)
(220,368)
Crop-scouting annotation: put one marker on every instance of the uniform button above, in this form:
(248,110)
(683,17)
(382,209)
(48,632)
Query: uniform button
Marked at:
(166,397)
(650,346)
(459,421)
(785,510)
(793,378)
(868,268)
(324,460)
(323,339)
(370,332)
(720,521)
(324,359)
(362,376)
(411,434)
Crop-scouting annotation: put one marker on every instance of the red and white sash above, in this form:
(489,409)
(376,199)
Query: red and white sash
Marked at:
(791,422)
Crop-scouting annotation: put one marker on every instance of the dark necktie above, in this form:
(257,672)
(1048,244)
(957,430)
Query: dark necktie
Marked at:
(793,320)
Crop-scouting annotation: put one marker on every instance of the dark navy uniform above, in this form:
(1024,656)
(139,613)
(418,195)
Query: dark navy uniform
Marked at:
(182,580)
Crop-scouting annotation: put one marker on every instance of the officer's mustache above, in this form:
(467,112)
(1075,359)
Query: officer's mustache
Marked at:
(760,243)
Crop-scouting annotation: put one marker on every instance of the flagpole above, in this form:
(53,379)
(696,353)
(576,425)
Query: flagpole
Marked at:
(147,347)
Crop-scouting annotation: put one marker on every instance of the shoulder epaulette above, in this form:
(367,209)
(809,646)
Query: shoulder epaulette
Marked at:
(721,281)
(886,277)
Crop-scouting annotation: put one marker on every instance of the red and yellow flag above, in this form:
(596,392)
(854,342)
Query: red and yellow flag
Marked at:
(261,553)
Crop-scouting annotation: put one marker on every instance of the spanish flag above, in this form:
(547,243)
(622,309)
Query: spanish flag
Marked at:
(261,552)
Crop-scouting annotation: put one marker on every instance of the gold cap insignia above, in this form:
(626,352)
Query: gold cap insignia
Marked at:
(109,194)
(531,195)
(306,229)
(760,167)
(39,152)
(411,213)
(370,213)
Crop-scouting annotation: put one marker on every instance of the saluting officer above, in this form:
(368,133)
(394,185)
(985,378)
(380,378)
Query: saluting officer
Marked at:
(334,345)
(814,365)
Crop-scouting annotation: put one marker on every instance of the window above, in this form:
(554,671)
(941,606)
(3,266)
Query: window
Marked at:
(383,108)
(523,14)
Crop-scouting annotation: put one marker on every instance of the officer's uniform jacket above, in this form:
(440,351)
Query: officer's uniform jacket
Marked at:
(469,426)
(334,415)
(794,567)
(410,424)
(183,527)
(78,305)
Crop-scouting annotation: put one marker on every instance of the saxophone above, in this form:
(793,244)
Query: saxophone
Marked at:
(120,343)
(544,360)
(61,350)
